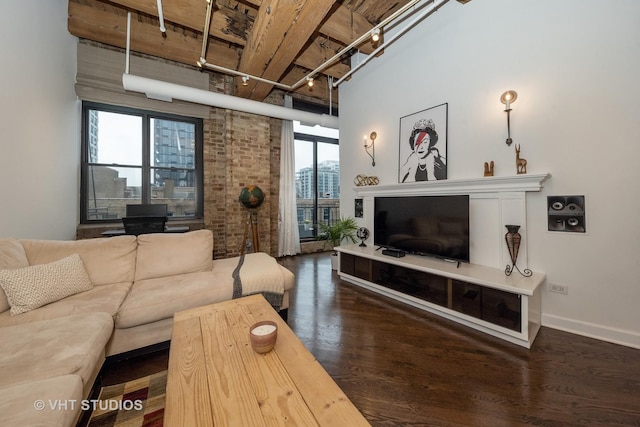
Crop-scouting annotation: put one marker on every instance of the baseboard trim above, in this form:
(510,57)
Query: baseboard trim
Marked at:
(613,335)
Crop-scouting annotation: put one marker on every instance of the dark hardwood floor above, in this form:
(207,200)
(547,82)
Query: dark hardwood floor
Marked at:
(402,366)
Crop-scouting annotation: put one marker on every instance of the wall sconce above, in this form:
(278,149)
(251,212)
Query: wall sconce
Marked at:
(373,137)
(507,99)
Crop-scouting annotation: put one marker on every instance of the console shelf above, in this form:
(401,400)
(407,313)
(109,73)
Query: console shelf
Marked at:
(480,297)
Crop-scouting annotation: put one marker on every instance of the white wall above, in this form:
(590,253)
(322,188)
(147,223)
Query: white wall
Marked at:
(575,65)
(39,121)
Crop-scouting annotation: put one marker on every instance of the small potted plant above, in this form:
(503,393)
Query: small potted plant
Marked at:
(344,228)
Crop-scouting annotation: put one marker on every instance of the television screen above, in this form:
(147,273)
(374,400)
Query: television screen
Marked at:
(424,225)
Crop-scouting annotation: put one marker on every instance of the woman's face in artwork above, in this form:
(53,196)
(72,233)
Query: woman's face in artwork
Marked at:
(421,147)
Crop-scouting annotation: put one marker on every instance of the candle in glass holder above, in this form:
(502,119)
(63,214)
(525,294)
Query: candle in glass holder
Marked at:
(263,336)
(263,330)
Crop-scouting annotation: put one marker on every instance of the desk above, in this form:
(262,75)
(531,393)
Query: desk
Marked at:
(215,377)
(167,229)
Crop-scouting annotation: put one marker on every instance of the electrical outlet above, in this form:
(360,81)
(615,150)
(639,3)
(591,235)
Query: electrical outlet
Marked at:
(560,289)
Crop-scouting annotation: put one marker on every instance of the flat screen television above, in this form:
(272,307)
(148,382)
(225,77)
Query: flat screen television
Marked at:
(435,226)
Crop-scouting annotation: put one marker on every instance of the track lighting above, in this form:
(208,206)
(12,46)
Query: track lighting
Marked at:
(245,79)
(310,81)
(375,34)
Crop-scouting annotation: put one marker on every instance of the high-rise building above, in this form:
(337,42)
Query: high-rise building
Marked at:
(174,152)
(328,181)
(92,134)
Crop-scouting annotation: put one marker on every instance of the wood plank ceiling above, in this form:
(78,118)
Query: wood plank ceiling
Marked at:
(278,40)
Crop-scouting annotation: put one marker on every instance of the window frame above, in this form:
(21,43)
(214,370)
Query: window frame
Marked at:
(315,139)
(146,167)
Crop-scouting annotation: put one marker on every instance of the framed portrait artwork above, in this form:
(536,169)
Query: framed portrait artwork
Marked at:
(423,145)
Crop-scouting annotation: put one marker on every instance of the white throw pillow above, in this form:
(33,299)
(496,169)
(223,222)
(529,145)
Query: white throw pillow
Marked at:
(32,287)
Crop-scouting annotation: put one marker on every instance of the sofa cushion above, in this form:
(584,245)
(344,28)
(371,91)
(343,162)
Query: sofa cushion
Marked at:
(60,398)
(107,299)
(168,254)
(12,256)
(66,345)
(107,260)
(156,299)
(28,288)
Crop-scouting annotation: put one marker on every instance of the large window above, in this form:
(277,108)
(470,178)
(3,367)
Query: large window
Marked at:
(317,177)
(134,156)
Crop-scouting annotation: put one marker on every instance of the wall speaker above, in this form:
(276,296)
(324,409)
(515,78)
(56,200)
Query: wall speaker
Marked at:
(566,213)
(358,208)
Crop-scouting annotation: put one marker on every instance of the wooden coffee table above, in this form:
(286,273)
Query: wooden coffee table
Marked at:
(216,379)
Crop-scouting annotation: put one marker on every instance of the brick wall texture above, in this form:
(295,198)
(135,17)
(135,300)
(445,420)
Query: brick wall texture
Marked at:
(240,149)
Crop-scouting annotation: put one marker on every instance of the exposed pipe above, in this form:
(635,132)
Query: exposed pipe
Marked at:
(205,33)
(161,17)
(126,65)
(355,43)
(203,54)
(168,91)
(400,33)
(204,63)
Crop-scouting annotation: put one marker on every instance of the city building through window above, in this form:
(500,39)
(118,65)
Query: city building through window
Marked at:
(317,177)
(134,156)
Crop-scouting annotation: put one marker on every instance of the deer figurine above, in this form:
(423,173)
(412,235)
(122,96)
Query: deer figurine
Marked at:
(521,164)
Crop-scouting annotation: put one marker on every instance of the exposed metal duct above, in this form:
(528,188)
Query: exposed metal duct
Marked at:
(165,91)
(168,91)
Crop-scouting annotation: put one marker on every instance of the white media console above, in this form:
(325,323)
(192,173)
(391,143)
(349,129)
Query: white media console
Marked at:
(480,297)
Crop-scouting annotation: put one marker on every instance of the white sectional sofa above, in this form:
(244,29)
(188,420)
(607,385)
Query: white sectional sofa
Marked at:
(119,297)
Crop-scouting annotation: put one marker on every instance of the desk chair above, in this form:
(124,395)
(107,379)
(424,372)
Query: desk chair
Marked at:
(136,225)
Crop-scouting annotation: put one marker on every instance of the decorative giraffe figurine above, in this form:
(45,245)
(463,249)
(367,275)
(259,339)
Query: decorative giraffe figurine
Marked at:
(521,164)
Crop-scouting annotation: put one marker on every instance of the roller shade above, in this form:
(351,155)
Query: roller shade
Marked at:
(99,79)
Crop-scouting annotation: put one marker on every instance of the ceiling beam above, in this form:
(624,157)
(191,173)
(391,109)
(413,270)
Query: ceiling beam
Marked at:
(346,26)
(296,26)
(272,39)
(318,52)
(228,24)
(96,24)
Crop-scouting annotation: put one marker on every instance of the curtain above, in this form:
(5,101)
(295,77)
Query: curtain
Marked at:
(288,234)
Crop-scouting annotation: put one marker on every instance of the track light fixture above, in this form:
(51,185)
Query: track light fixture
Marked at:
(245,79)
(375,34)
(310,81)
